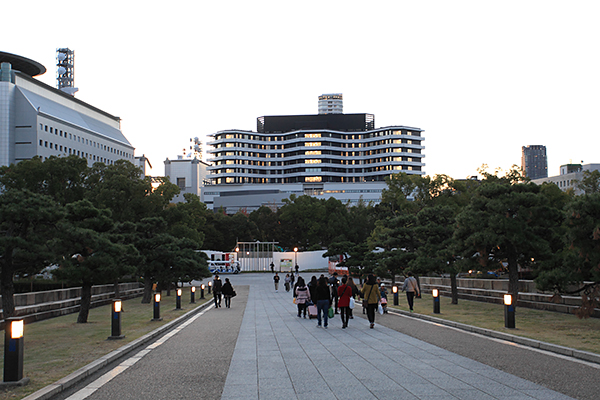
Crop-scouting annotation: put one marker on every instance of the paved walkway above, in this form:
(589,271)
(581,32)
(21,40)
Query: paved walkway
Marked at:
(260,349)
(281,356)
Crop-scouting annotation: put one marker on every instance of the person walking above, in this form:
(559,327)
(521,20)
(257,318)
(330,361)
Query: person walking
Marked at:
(217,290)
(228,292)
(302,295)
(344,294)
(286,282)
(411,287)
(372,295)
(312,287)
(323,299)
(335,283)
(355,292)
(276,281)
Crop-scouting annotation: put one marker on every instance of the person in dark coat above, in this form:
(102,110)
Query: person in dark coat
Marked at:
(323,300)
(217,290)
(227,292)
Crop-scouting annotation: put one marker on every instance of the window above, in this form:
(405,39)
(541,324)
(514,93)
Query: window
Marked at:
(313,179)
(312,144)
(181,183)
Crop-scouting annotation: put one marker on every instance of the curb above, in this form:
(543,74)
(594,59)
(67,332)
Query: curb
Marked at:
(565,351)
(57,387)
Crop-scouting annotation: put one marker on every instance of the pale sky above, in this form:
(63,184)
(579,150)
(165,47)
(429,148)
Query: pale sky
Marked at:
(481,78)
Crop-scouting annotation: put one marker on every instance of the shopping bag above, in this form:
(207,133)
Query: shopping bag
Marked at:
(351,305)
(380,309)
(330,312)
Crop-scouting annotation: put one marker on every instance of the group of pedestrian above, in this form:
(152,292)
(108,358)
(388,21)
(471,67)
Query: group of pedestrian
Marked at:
(224,290)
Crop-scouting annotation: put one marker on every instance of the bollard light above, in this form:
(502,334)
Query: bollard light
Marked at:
(209,286)
(395,291)
(509,312)
(157,307)
(193,294)
(13,352)
(202,291)
(115,332)
(436,301)
(178,300)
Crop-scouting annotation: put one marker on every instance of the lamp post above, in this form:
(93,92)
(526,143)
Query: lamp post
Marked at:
(115,332)
(157,307)
(295,256)
(436,301)
(395,291)
(509,312)
(209,286)
(178,300)
(13,352)
(202,291)
(193,294)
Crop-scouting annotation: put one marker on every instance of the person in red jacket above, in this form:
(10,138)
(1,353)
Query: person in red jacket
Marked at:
(344,293)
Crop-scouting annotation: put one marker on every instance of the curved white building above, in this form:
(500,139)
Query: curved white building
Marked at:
(330,155)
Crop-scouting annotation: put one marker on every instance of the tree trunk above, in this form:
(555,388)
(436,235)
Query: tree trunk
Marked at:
(513,277)
(454,288)
(7,290)
(147,297)
(117,289)
(86,301)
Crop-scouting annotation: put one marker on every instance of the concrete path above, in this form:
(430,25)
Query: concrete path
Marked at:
(260,349)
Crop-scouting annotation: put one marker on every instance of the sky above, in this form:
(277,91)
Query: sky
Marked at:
(481,78)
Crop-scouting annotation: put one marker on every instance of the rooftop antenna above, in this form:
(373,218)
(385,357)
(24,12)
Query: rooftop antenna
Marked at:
(196,147)
(65,71)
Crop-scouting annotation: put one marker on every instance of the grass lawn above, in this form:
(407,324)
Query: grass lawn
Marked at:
(56,347)
(547,326)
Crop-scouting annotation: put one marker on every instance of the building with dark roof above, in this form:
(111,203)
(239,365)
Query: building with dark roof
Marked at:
(324,155)
(39,120)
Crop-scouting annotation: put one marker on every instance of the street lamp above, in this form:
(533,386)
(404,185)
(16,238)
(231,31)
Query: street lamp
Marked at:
(157,307)
(509,312)
(178,300)
(295,256)
(395,291)
(436,301)
(209,286)
(115,332)
(13,352)
(202,291)
(193,294)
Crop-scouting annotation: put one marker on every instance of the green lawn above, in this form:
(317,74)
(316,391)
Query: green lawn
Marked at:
(547,326)
(56,347)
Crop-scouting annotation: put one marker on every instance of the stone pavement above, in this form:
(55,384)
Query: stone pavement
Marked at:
(260,349)
(278,355)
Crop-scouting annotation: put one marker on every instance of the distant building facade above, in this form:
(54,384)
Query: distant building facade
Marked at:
(325,155)
(570,175)
(39,120)
(189,174)
(534,162)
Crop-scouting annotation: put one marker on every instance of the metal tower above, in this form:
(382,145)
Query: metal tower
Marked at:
(65,72)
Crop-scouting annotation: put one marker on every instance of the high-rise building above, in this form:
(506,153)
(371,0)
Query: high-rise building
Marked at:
(39,120)
(331,103)
(534,162)
(326,155)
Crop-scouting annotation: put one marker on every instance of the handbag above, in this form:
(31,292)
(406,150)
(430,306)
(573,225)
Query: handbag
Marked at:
(233,294)
(294,300)
(351,305)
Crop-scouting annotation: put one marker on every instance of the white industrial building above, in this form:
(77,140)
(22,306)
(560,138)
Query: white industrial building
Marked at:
(570,176)
(39,120)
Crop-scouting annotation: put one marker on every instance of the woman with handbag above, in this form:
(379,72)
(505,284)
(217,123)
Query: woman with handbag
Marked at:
(302,295)
(372,296)
(344,293)
(228,292)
